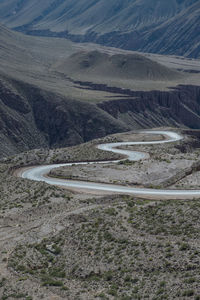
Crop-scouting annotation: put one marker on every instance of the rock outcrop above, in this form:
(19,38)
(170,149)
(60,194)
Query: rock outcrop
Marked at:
(33,118)
(180,107)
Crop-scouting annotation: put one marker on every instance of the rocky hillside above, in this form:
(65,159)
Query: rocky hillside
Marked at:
(32,118)
(170,27)
(177,108)
(41,96)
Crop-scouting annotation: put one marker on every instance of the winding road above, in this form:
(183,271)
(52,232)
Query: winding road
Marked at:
(39,173)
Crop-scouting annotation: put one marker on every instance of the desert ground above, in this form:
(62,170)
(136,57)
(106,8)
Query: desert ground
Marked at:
(61,244)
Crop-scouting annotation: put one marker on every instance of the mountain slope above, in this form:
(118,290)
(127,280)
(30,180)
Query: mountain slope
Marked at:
(43,82)
(187,27)
(152,26)
(33,118)
(31,114)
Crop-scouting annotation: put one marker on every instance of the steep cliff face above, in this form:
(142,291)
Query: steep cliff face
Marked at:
(33,118)
(18,130)
(68,122)
(180,107)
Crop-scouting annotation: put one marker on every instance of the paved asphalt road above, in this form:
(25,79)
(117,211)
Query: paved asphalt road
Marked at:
(39,173)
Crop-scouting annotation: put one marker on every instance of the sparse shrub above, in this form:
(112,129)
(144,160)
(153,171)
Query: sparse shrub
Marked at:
(188,293)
